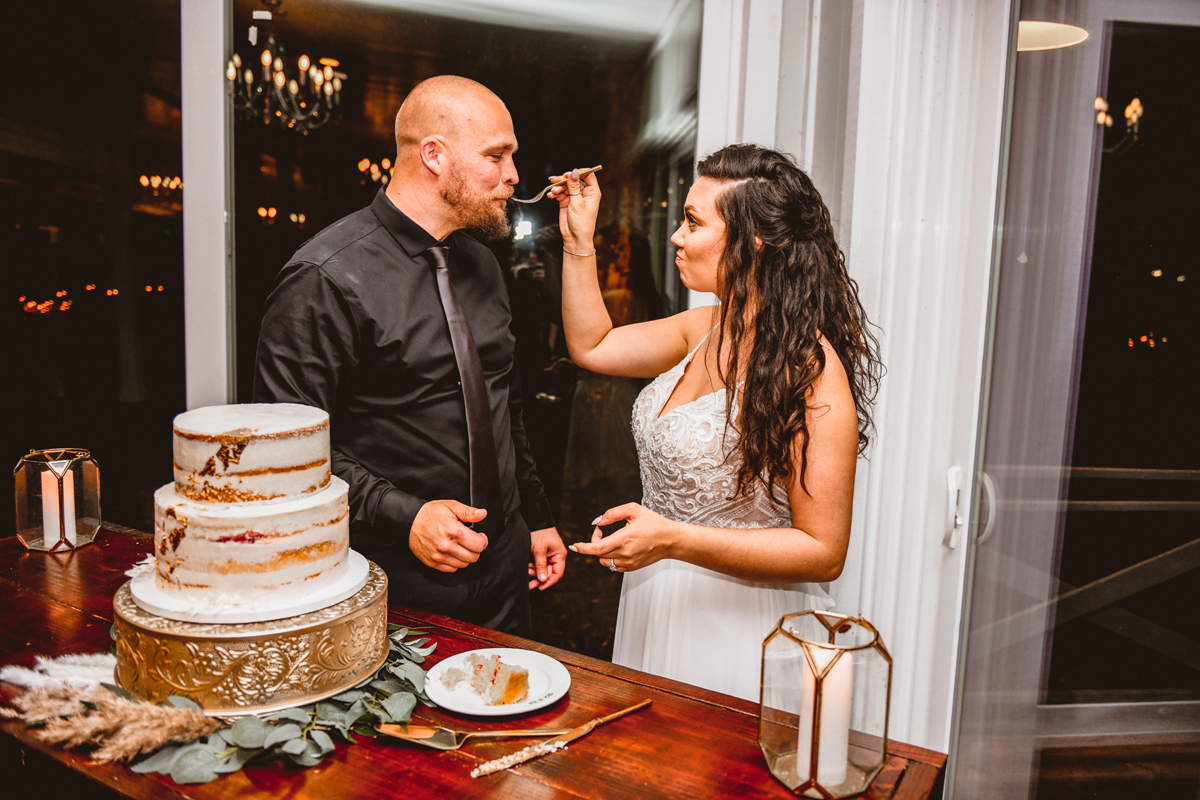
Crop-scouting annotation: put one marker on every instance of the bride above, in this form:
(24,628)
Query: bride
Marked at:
(749,433)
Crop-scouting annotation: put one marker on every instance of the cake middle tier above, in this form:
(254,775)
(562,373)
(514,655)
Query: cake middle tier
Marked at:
(247,551)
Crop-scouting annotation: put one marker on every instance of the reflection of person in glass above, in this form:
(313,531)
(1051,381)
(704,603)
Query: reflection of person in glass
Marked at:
(749,433)
(396,322)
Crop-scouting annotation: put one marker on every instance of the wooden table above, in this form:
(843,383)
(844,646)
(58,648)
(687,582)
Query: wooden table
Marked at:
(689,743)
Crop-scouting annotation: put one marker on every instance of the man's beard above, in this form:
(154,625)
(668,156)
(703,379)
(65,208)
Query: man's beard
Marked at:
(475,211)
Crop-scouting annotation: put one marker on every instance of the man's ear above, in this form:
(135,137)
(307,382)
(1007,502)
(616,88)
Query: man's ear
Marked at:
(433,154)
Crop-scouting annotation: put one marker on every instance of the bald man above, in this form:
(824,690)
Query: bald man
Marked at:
(357,325)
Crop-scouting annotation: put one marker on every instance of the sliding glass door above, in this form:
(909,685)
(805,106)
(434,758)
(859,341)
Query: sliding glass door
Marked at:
(1081,668)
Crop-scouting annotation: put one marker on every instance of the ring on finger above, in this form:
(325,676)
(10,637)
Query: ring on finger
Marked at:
(574,193)
(612,565)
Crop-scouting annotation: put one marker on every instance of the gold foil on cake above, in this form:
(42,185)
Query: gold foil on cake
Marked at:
(253,667)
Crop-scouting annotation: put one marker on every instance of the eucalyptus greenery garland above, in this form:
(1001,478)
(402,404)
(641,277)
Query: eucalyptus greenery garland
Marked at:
(302,734)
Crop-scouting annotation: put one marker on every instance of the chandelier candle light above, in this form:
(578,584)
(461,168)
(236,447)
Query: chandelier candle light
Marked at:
(304,100)
(826,688)
(57,499)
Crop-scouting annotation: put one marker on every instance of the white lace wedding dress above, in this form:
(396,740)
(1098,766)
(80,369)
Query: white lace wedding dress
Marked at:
(679,620)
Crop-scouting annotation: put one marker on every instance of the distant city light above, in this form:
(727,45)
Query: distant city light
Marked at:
(1181,278)
(1157,273)
(90,287)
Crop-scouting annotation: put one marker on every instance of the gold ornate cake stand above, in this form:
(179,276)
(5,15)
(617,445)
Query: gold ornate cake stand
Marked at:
(258,667)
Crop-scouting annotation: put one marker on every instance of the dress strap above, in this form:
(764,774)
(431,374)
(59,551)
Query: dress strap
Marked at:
(700,343)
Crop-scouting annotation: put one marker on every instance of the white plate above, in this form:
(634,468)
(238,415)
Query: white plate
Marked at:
(548,681)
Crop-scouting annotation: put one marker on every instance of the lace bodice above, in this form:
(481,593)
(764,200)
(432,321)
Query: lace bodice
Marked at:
(685,474)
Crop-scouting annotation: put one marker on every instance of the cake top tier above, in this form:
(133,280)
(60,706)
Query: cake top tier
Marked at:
(225,424)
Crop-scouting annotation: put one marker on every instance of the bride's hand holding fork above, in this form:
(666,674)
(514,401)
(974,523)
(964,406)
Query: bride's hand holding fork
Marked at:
(578,204)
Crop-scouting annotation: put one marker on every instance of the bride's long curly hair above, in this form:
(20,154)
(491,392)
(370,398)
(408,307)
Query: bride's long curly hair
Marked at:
(784,285)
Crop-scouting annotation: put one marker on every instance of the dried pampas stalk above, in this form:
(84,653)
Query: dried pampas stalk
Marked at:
(118,728)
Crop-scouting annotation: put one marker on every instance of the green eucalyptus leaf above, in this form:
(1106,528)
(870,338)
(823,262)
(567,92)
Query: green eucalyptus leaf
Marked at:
(400,706)
(329,710)
(119,692)
(293,746)
(158,761)
(304,759)
(345,733)
(351,715)
(364,684)
(235,761)
(297,715)
(250,732)
(366,730)
(195,766)
(112,632)
(412,673)
(399,633)
(387,686)
(321,739)
(225,734)
(350,696)
(184,702)
(281,734)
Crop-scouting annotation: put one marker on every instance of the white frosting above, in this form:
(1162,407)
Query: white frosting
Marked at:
(251,452)
(280,550)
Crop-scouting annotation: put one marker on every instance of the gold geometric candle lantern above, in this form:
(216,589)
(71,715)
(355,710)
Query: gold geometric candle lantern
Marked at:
(58,499)
(826,689)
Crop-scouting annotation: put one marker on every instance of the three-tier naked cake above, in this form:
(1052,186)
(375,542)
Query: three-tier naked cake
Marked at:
(254,599)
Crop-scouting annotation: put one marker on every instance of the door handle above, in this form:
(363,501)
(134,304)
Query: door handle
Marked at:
(989,489)
(954,519)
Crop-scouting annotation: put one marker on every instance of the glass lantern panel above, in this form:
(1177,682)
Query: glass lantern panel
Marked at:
(783,666)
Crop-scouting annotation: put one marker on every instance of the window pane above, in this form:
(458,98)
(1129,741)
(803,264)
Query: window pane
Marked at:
(93,277)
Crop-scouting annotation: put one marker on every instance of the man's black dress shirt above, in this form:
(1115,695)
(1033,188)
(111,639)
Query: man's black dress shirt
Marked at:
(355,325)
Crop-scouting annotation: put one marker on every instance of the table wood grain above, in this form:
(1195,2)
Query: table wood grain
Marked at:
(689,743)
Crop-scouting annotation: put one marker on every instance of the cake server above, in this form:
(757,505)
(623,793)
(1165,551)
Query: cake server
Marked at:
(446,739)
(542,193)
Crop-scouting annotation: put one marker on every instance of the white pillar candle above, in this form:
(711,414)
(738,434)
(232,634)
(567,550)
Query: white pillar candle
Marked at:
(58,520)
(835,718)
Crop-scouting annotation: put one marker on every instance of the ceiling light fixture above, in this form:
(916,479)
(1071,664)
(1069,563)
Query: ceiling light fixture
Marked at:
(304,99)
(1033,35)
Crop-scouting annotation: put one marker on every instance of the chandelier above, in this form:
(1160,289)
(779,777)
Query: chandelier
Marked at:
(301,96)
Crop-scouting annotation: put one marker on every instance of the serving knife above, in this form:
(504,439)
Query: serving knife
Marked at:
(551,745)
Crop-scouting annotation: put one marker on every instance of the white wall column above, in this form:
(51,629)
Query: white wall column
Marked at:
(207,204)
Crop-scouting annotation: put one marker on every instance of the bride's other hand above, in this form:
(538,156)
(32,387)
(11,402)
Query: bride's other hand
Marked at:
(646,538)
(578,204)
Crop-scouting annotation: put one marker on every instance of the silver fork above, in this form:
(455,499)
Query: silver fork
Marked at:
(542,193)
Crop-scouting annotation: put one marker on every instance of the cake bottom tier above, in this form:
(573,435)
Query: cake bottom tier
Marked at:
(253,668)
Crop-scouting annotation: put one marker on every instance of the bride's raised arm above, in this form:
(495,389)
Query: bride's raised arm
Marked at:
(642,350)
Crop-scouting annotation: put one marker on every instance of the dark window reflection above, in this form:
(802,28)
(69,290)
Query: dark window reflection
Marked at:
(576,100)
(1135,479)
(91,241)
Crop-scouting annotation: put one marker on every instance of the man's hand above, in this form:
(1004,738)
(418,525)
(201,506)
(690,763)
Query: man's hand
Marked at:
(549,558)
(440,540)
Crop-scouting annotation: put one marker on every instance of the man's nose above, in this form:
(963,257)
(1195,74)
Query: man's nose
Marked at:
(510,172)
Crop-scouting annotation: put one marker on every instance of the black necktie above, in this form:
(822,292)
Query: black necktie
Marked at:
(485,473)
